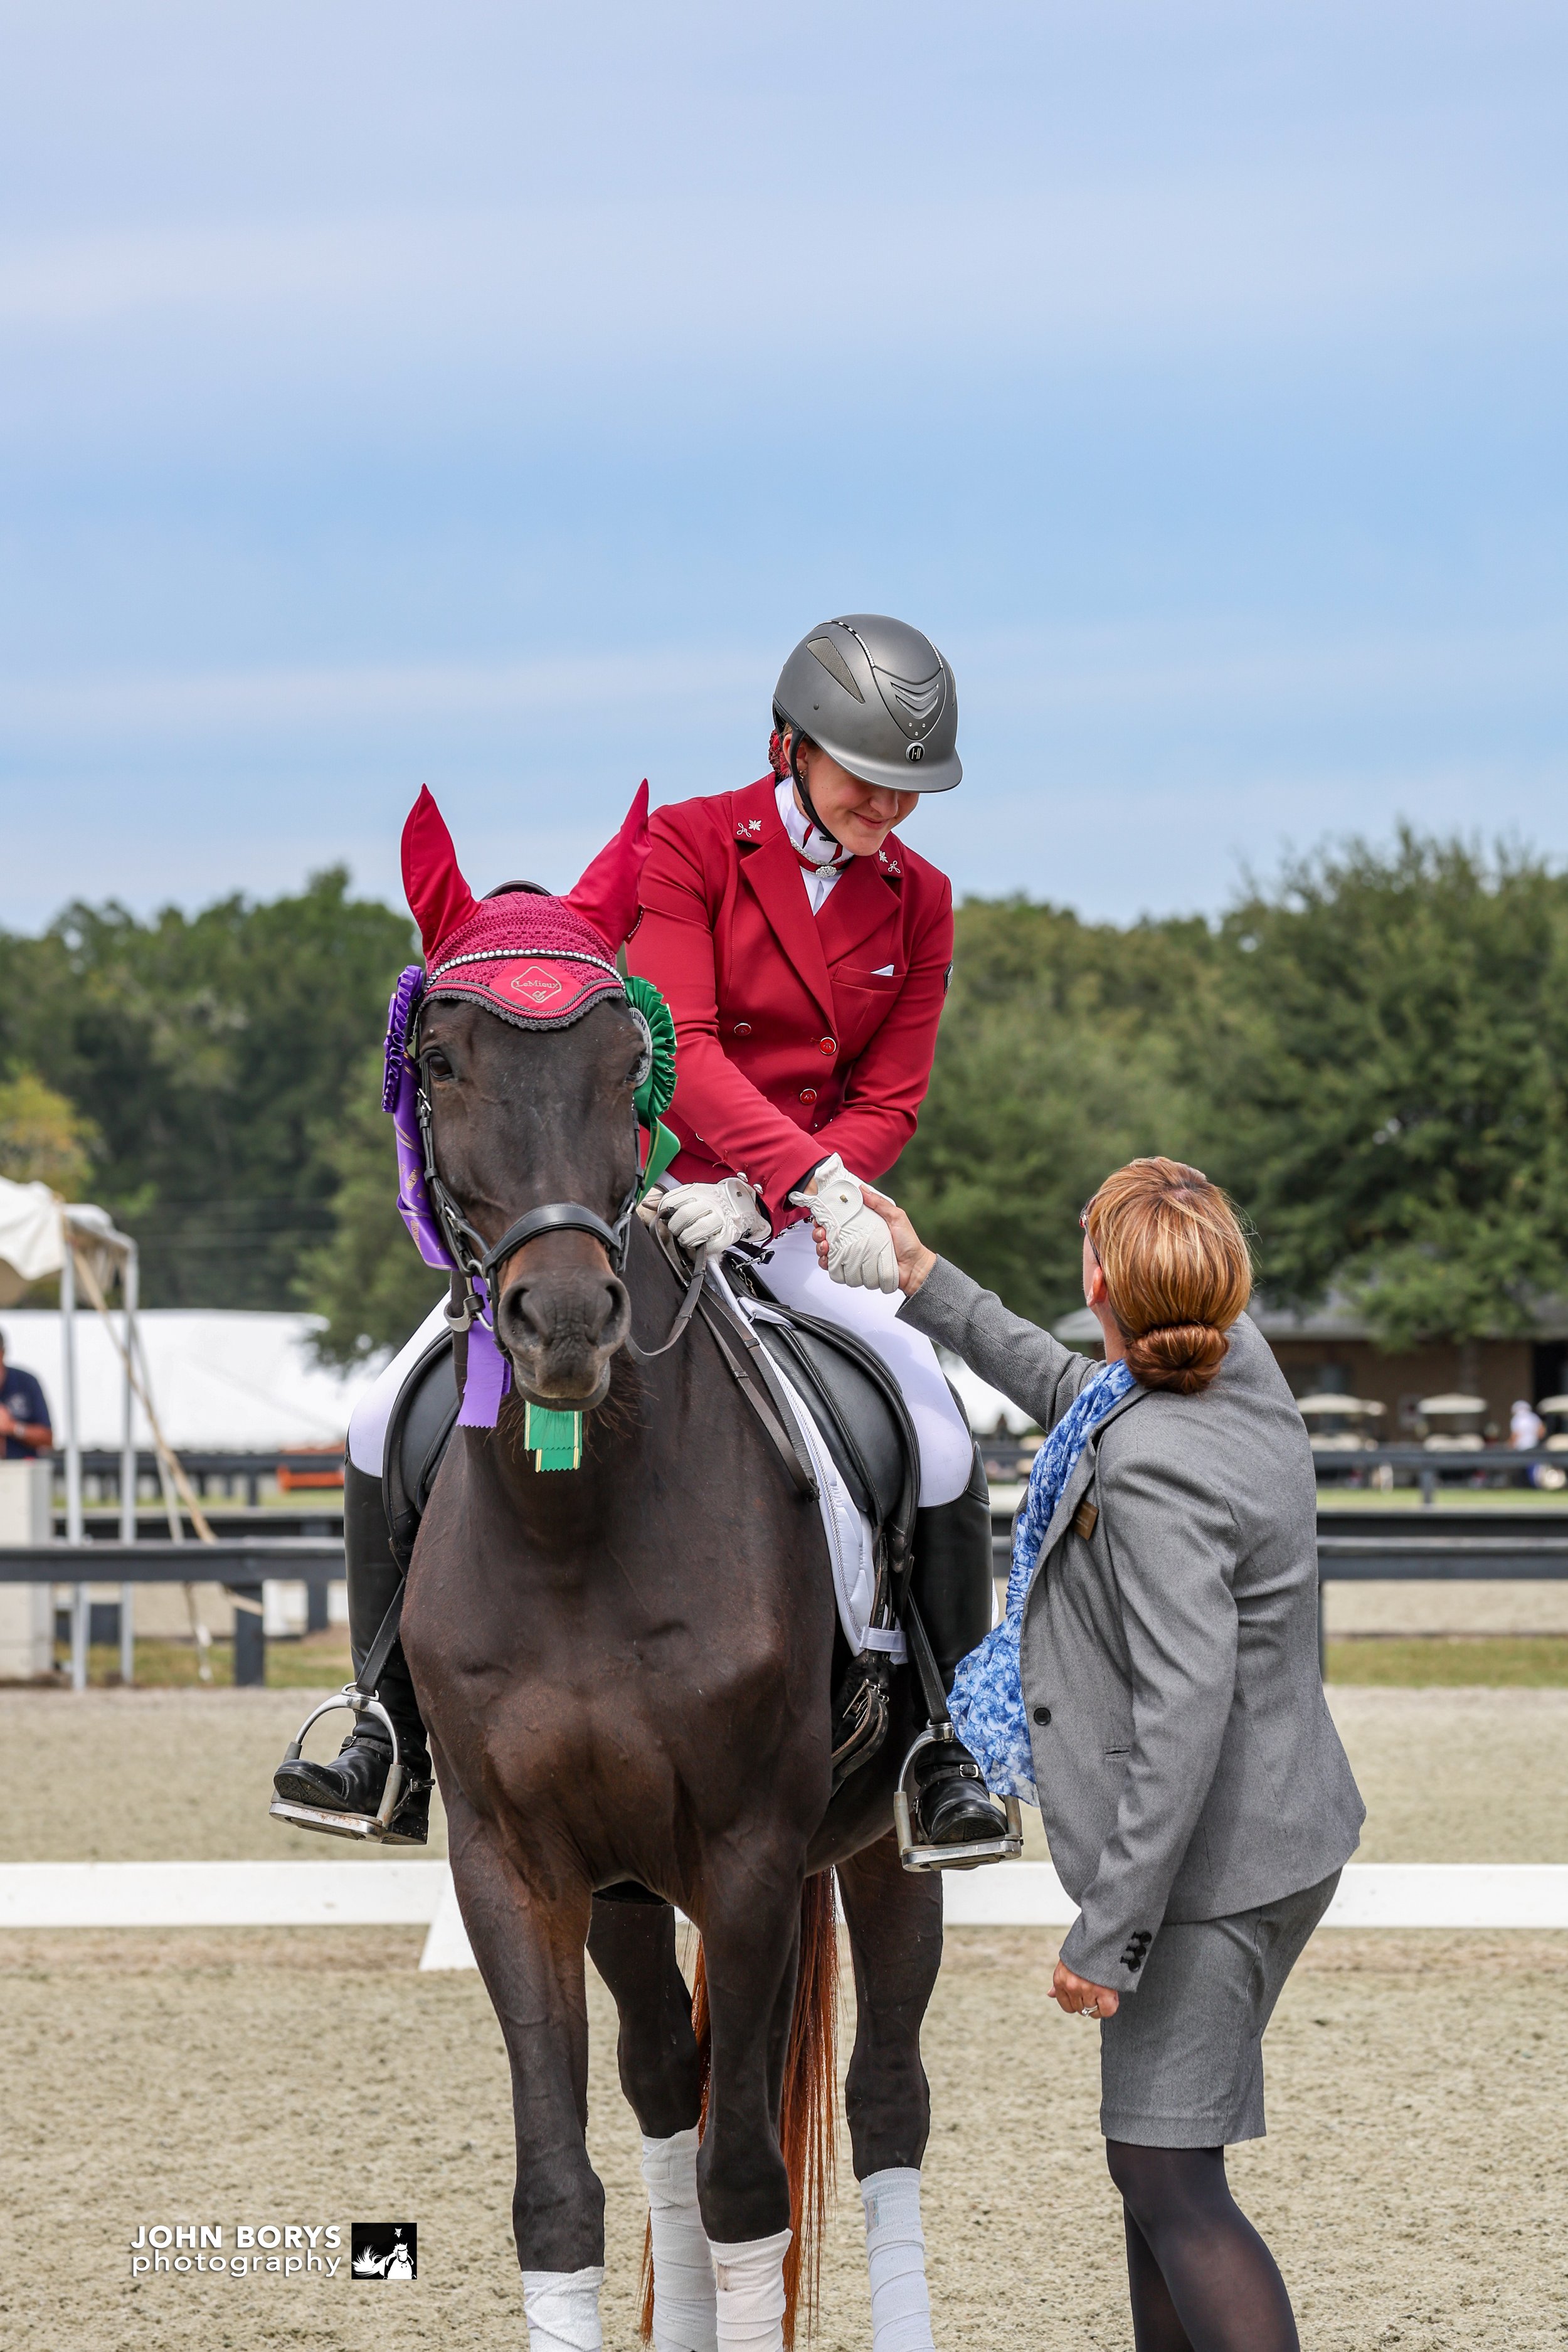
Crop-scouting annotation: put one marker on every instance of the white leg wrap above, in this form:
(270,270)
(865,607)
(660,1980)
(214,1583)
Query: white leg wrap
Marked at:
(685,2313)
(563,2308)
(896,2250)
(749,2275)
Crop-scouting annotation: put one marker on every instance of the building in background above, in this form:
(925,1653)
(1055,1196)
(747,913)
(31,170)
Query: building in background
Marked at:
(1332,1351)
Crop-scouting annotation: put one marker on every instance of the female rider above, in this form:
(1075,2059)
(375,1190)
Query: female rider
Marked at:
(805,952)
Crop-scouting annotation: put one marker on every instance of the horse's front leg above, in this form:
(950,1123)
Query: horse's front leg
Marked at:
(750,1936)
(632,1945)
(894,1918)
(530,1954)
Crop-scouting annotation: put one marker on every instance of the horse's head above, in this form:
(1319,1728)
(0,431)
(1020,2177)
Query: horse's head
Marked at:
(529,1105)
(520,1118)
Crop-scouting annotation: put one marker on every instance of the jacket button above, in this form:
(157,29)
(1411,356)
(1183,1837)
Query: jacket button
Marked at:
(1042,1715)
(827,1045)
(742,1028)
(808,1094)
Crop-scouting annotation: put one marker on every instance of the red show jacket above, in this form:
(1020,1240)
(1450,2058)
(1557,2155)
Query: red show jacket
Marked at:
(798,1034)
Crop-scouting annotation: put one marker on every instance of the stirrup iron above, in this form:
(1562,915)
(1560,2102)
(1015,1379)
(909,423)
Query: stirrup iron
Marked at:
(1005,1848)
(355,1702)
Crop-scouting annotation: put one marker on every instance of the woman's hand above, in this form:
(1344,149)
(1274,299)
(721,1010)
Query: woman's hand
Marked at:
(1078,1998)
(915,1261)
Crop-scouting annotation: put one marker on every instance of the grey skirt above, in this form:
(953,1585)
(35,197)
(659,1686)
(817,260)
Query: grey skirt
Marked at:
(1181,2064)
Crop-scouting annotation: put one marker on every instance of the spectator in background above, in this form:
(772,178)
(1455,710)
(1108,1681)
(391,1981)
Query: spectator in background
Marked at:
(24,1428)
(1525,1427)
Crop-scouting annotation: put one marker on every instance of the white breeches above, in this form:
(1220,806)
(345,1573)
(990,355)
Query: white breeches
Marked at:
(947,1449)
(791,1271)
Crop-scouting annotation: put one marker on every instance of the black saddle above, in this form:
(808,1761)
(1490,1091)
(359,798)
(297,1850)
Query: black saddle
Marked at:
(419,1432)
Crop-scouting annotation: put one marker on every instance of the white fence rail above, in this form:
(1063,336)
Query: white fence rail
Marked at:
(381,1893)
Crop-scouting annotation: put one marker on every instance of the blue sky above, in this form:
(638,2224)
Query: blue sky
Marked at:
(489,396)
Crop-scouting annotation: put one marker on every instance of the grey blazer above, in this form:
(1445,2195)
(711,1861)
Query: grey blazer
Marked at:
(1186,1762)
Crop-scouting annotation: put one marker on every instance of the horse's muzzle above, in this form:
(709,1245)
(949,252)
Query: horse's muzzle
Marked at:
(561,1325)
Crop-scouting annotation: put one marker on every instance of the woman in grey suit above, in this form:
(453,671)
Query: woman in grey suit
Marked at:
(1154,1688)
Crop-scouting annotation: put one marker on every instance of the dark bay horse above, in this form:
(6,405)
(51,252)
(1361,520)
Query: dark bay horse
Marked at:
(624,1670)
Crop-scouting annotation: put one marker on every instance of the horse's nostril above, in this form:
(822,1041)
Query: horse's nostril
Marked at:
(517,1316)
(564,1310)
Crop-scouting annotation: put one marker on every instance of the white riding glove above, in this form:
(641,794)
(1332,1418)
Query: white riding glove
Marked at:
(713,1217)
(860,1250)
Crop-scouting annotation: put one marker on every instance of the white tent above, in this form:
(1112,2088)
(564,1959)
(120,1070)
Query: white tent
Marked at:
(40,1235)
(224,1382)
(32,1242)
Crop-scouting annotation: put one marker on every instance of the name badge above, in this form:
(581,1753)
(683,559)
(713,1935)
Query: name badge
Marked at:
(1086,1518)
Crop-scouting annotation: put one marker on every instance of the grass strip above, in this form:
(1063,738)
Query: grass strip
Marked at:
(1437,1662)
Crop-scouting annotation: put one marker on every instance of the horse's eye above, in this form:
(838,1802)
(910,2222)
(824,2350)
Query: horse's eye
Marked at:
(436,1065)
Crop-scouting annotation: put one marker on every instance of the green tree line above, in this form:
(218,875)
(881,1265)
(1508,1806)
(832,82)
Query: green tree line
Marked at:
(1367,1051)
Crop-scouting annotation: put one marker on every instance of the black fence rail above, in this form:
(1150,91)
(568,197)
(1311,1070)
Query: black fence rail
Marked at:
(227,1469)
(1371,1547)
(242,1567)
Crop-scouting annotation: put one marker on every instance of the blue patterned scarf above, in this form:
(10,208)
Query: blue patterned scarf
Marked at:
(987,1699)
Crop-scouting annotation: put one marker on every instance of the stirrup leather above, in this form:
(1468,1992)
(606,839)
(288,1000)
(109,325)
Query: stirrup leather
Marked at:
(350,1825)
(1005,1848)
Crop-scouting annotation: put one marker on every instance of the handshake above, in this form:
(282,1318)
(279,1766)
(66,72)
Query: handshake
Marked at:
(853,1240)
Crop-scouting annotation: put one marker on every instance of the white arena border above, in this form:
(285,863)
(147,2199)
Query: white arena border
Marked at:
(379,1893)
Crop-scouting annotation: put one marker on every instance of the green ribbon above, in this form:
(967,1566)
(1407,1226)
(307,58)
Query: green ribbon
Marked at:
(556,1438)
(657,1091)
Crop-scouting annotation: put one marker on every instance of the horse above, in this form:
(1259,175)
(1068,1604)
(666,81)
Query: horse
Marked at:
(624,1671)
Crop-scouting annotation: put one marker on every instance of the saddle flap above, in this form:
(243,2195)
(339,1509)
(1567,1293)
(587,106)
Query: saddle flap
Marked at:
(417,1434)
(851,1409)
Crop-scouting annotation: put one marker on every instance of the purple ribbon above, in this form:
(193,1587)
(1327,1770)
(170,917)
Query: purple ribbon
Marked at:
(490,1378)
(490,1372)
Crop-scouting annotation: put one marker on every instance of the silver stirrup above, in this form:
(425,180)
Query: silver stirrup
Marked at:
(349,1826)
(1006,1848)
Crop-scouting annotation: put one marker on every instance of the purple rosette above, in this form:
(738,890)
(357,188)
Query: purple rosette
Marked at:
(490,1372)
(399,1013)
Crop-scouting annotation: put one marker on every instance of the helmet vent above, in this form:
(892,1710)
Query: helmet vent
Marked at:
(914,702)
(834,662)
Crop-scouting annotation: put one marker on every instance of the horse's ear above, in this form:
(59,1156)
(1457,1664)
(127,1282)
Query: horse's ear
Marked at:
(438,894)
(606,895)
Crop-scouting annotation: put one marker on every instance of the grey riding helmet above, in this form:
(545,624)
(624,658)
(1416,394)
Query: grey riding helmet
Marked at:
(877,697)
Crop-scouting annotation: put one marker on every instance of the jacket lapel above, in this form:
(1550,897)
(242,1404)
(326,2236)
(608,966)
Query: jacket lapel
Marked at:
(771,871)
(859,904)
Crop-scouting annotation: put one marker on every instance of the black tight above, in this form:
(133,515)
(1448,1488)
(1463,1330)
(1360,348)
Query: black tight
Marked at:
(1200,2278)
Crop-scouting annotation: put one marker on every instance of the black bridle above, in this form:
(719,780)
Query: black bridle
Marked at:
(473,1262)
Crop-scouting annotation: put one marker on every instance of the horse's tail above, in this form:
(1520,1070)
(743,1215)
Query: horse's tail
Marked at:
(806,2117)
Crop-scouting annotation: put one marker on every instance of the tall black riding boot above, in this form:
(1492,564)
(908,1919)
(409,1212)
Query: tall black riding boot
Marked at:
(355,1781)
(951,1586)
